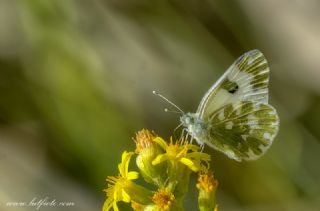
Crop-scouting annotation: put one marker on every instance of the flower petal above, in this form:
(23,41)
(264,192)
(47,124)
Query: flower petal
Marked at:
(189,163)
(107,204)
(193,147)
(132,175)
(124,165)
(163,144)
(199,155)
(160,158)
(115,206)
(125,196)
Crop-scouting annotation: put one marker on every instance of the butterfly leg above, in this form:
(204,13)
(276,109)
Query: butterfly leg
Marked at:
(191,139)
(175,130)
(182,133)
(201,147)
(186,137)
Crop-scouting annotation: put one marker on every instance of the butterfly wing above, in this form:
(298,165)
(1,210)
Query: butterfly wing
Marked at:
(242,130)
(245,80)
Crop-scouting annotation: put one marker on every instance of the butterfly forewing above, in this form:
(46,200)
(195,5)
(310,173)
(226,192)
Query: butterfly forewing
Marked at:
(245,80)
(242,130)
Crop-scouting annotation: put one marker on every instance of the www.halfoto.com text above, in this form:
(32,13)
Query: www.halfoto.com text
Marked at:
(39,203)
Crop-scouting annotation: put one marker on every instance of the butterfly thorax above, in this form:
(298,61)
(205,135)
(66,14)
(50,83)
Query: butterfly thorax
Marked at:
(195,125)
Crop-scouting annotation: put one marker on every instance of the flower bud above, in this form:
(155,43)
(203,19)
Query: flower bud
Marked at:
(207,186)
(147,151)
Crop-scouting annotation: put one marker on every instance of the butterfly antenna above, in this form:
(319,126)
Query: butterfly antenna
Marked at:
(171,111)
(168,101)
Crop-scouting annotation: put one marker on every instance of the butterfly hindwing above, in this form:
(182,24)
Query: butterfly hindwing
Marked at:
(242,130)
(245,80)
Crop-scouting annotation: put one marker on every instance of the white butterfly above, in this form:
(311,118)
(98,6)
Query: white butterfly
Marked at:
(234,116)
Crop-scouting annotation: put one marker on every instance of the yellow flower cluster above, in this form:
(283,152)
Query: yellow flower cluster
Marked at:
(165,165)
(207,186)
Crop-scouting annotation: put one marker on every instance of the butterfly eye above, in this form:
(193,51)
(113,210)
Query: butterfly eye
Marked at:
(186,120)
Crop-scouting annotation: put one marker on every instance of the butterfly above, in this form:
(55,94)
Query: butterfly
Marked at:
(234,116)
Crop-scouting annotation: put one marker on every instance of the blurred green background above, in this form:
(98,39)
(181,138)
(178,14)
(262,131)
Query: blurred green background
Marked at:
(76,81)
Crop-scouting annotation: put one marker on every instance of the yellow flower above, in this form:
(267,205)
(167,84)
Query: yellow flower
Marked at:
(206,181)
(147,151)
(136,206)
(207,186)
(144,140)
(118,185)
(183,152)
(163,199)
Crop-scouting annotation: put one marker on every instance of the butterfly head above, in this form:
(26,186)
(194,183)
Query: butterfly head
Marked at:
(188,119)
(195,126)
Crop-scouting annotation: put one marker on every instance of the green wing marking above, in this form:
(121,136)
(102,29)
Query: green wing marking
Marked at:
(243,130)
